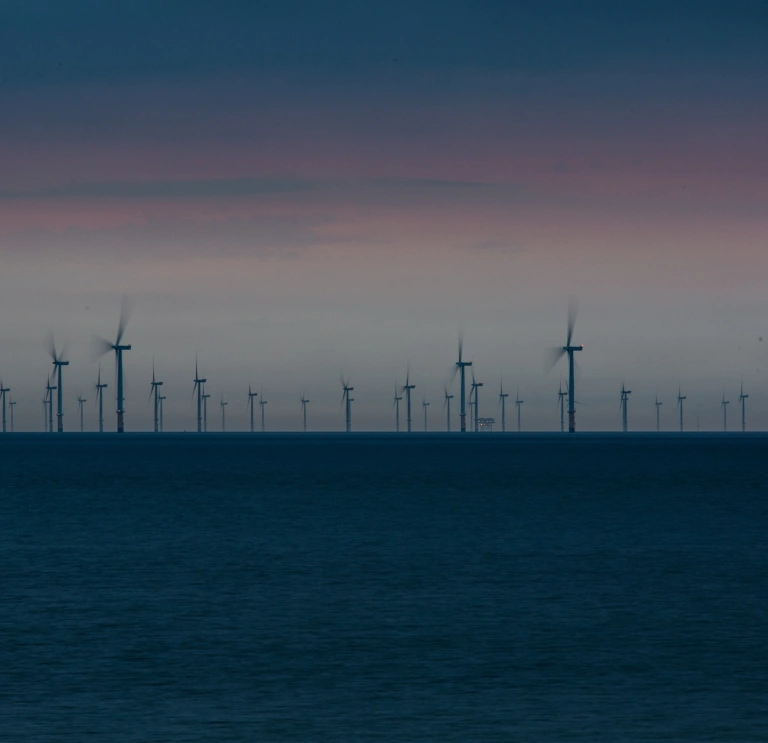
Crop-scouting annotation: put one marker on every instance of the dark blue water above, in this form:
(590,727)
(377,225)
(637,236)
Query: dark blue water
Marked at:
(381,588)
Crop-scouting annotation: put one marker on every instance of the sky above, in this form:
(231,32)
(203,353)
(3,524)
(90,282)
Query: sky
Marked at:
(293,191)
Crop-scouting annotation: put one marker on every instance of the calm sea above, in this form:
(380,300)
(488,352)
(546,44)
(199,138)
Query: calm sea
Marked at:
(383,588)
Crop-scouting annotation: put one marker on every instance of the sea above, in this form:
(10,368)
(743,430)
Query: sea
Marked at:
(382,587)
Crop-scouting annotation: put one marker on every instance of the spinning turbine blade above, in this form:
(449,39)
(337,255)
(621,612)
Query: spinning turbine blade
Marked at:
(50,346)
(99,346)
(573,310)
(126,309)
(553,356)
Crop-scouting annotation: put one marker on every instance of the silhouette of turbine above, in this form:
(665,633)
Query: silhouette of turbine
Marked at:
(347,402)
(459,368)
(561,402)
(396,406)
(447,407)
(100,399)
(251,396)
(304,402)
(407,387)
(503,405)
(625,393)
(80,402)
(48,400)
(742,400)
(223,405)
(11,406)
(198,387)
(58,363)
(425,405)
(262,403)
(104,346)
(161,399)
(3,392)
(155,390)
(475,387)
(569,349)
(725,404)
(519,404)
(658,405)
(680,398)
(205,411)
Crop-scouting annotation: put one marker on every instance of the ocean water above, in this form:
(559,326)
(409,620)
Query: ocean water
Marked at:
(383,588)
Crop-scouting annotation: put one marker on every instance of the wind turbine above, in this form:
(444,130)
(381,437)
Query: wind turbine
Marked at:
(460,367)
(45,412)
(407,387)
(425,405)
(561,402)
(625,393)
(223,405)
(396,406)
(205,411)
(12,405)
(251,396)
(3,393)
(447,407)
(262,403)
(345,398)
(100,399)
(742,400)
(475,387)
(570,350)
(304,402)
(658,405)
(725,403)
(199,382)
(49,400)
(155,390)
(104,346)
(80,402)
(518,403)
(160,399)
(58,362)
(503,405)
(680,399)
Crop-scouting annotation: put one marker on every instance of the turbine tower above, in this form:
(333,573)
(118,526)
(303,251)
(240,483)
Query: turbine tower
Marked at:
(625,393)
(100,399)
(80,402)
(680,398)
(425,405)
(104,346)
(155,390)
(742,400)
(519,404)
(251,396)
(199,382)
(561,402)
(347,402)
(262,403)
(49,400)
(45,413)
(205,411)
(658,405)
(160,399)
(3,393)
(503,404)
(725,404)
(223,405)
(407,387)
(460,367)
(570,349)
(396,406)
(12,405)
(58,362)
(304,402)
(447,408)
(475,387)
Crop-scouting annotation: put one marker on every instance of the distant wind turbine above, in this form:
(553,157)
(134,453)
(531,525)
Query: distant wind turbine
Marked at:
(48,400)
(503,404)
(407,387)
(304,402)
(625,393)
(262,403)
(561,402)
(742,400)
(100,399)
(12,405)
(251,396)
(104,346)
(58,362)
(199,382)
(680,398)
(80,402)
(155,391)
(460,367)
(3,393)
(725,404)
(658,405)
(223,405)
(205,411)
(347,402)
(425,405)
(475,387)
(570,349)
(161,400)
(447,408)
(519,404)
(396,406)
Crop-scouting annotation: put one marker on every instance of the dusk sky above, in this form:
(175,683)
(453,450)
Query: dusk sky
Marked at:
(293,189)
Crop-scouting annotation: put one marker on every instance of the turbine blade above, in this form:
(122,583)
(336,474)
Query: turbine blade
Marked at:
(99,346)
(461,345)
(50,346)
(573,310)
(126,309)
(553,356)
